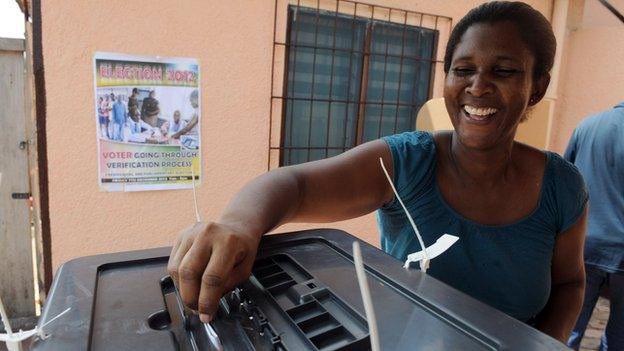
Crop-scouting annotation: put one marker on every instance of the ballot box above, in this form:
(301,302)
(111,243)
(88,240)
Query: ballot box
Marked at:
(303,295)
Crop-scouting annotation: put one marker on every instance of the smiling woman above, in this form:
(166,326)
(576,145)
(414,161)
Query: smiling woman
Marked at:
(499,60)
(519,212)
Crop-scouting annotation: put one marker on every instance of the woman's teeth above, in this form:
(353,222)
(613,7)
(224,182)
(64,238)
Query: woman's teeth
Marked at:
(479,112)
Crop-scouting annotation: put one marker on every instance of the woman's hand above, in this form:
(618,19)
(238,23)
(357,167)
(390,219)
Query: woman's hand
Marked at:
(208,260)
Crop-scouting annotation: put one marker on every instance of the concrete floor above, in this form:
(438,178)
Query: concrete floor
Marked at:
(597,323)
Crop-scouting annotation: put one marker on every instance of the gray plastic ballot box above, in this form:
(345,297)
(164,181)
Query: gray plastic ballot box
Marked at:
(303,295)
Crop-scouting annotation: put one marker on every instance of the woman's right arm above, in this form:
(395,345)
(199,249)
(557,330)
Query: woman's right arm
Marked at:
(210,259)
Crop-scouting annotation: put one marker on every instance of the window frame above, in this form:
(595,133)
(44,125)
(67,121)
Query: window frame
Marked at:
(364,65)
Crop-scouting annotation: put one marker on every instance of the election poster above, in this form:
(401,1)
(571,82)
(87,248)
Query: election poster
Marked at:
(148,122)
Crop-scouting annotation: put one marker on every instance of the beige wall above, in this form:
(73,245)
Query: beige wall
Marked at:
(592,77)
(233,42)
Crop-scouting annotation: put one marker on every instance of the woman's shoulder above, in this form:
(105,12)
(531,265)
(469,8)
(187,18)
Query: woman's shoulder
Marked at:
(563,170)
(555,169)
(412,139)
(413,157)
(411,149)
(566,190)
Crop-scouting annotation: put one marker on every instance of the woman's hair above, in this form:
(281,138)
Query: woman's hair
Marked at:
(534,29)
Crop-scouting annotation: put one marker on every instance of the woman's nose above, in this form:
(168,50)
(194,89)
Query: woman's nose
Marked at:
(480,85)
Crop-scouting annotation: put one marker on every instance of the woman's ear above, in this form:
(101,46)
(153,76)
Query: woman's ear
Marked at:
(539,89)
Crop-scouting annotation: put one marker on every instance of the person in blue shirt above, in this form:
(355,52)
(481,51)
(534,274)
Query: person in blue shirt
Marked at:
(519,212)
(119,118)
(597,149)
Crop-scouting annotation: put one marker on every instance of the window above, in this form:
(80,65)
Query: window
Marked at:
(350,79)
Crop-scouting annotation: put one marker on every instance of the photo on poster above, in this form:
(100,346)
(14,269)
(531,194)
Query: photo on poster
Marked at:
(148,120)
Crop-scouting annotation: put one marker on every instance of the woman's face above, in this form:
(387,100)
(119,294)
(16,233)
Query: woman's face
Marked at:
(489,84)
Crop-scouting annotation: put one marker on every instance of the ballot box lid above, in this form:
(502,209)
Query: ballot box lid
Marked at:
(303,295)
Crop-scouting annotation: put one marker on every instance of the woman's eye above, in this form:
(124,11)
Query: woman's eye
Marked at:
(462,71)
(505,72)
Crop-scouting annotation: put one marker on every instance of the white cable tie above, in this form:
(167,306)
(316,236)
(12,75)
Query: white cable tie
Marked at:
(424,263)
(14,340)
(195,195)
(213,337)
(366,297)
(50,321)
(5,318)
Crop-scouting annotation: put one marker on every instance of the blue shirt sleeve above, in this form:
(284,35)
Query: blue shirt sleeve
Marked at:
(413,158)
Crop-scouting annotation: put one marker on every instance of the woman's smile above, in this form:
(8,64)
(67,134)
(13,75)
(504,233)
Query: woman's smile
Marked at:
(478,115)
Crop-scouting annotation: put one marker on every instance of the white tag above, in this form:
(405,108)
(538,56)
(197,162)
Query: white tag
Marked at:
(14,340)
(442,244)
(18,336)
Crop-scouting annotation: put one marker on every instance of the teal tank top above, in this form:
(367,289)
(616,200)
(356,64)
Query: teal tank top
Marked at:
(505,266)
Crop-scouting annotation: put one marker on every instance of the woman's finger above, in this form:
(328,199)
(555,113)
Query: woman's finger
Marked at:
(192,267)
(214,278)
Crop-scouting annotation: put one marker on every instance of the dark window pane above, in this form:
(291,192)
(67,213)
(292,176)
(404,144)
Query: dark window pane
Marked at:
(324,65)
(399,73)
(323,87)
(372,115)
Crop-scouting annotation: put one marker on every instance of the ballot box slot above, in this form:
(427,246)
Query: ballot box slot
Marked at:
(325,321)
(318,324)
(306,311)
